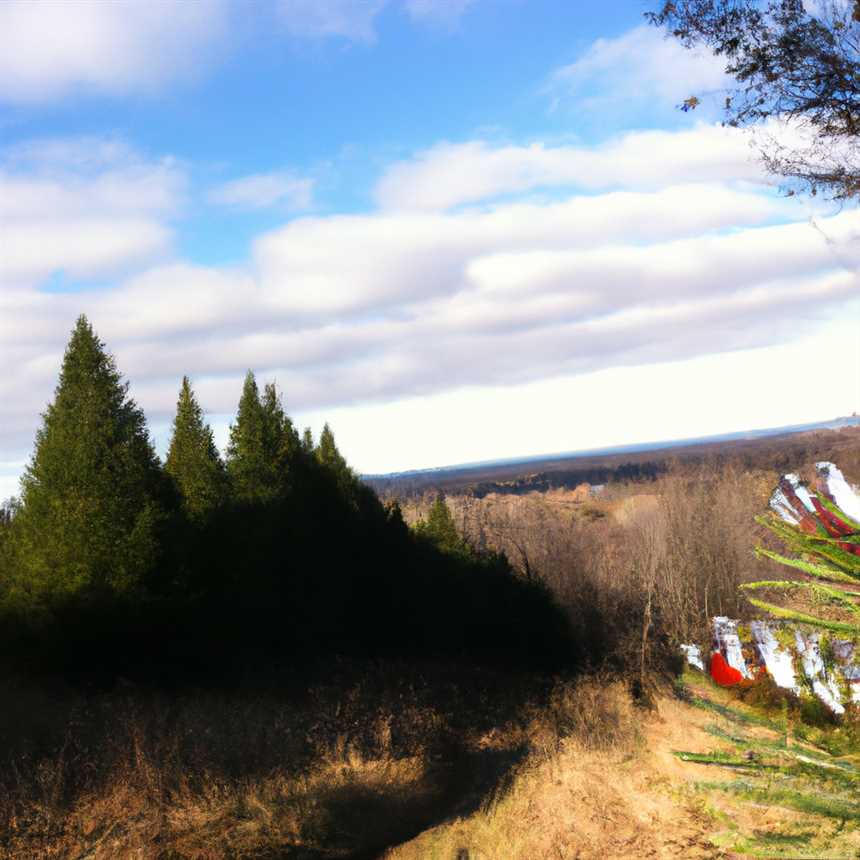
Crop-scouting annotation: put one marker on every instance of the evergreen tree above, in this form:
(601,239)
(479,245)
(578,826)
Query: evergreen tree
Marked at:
(308,445)
(247,464)
(333,462)
(327,452)
(280,436)
(193,460)
(93,494)
(330,458)
(439,527)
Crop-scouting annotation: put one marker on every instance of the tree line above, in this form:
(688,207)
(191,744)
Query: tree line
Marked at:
(113,558)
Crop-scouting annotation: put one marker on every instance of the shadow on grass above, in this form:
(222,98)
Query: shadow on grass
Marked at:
(357,822)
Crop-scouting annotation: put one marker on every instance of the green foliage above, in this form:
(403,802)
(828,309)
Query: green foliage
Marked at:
(823,545)
(281,550)
(280,438)
(330,458)
(193,460)
(253,473)
(93,496)
(308,445)
(327,452)
(439,528)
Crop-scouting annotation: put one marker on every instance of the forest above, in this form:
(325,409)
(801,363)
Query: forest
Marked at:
(186,565)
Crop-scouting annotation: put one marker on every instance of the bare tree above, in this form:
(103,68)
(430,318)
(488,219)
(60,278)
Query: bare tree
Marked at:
(796,61)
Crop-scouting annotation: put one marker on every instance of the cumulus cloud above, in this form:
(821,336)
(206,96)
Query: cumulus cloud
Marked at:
(452,174)
(640,66)
(54,47)
(265,190)
(86,207)
(411,300)
(381,306)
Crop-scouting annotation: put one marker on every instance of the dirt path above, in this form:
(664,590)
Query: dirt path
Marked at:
(748,797)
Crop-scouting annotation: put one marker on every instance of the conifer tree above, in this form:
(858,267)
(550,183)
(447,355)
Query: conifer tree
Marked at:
(330,458)
(280,436)
(308,445)
(193,460)
(247,465)
(440,528)
(327,452)
(93,494)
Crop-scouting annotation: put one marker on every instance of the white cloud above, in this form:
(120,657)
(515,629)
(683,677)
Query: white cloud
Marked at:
(711,394)
(449,174)
(641,66)
(50,48)
(348,19)
(367,263)
(356,309)
(89,247)
(87,207)
(265,190)
(377,307)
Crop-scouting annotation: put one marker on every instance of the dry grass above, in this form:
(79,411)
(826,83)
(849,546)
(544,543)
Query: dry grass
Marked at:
(407,772)
(606,790)
(632,797)
(343,771)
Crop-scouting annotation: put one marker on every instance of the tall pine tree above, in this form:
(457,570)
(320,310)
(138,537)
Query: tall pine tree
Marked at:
(328,453)
(248,465)
(330,458)
(308,441)
(280,437)
(93,495)
(193,460)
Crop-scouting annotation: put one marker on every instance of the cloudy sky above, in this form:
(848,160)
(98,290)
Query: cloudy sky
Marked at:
(457,229)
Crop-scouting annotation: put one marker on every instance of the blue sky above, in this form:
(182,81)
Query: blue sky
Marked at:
(460,229)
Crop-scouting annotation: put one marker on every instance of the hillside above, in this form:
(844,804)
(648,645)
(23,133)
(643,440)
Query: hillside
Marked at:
(702,776)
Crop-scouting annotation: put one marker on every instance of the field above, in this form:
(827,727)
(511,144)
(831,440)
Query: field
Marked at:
(575,769)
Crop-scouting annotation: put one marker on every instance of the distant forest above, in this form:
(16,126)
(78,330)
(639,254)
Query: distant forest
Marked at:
(775,454)
(112,559)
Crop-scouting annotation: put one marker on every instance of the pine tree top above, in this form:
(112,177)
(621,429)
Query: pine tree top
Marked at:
(193,460)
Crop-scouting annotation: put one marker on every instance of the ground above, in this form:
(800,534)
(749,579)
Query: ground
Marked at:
(751,795)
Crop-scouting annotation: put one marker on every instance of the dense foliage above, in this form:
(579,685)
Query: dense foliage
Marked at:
(94,498)
(112,560)
(193,460)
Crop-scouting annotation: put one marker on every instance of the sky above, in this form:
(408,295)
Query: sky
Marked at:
(457,230)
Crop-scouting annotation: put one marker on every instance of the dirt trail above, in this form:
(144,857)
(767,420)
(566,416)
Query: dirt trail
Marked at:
(649,803)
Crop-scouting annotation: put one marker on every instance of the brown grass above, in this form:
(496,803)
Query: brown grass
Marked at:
(607,790)
(344,771)
(576,771)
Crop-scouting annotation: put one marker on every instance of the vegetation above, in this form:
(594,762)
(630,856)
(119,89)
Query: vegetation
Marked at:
(94,499)
(194,564)
(193,460)
(827,546)
(792,61)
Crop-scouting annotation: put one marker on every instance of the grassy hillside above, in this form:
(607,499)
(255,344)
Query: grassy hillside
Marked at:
(432,765)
